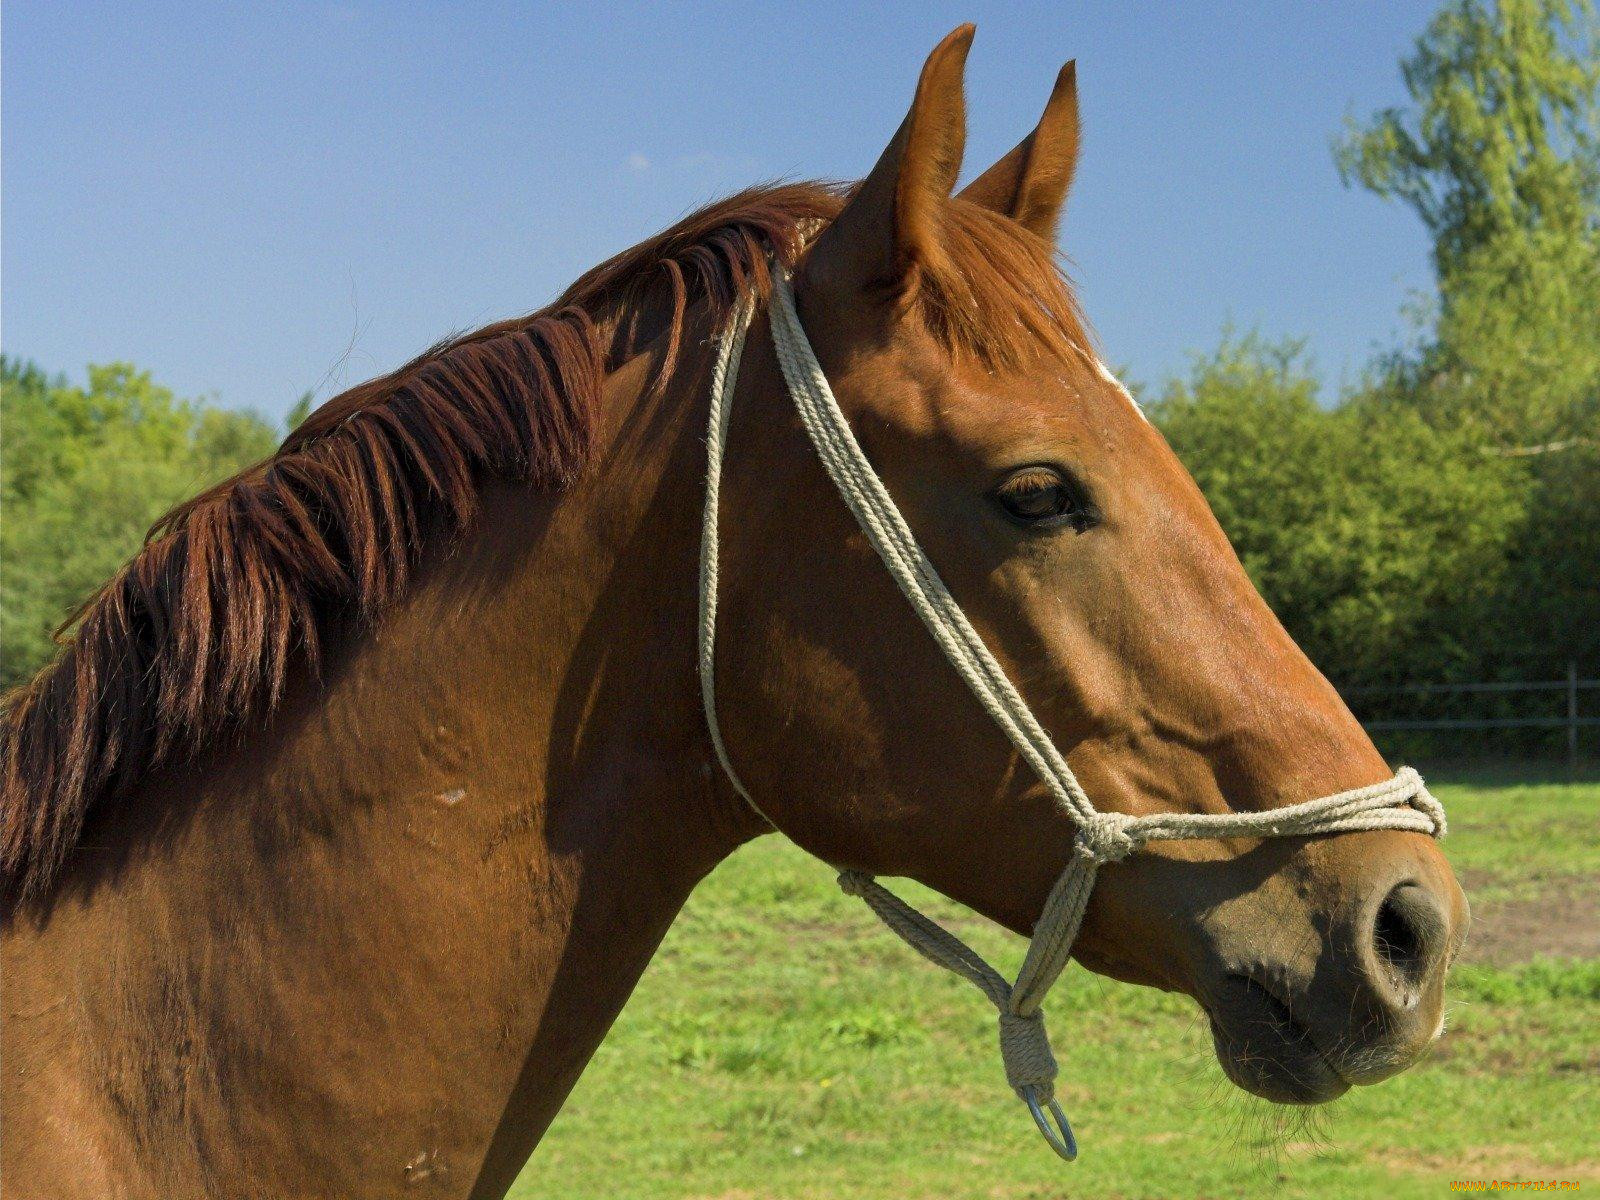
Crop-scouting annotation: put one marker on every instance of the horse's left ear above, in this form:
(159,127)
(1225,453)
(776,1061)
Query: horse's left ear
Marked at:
(889,229)
(1030,184)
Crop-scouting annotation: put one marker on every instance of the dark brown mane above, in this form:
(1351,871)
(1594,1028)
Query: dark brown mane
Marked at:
(198,632)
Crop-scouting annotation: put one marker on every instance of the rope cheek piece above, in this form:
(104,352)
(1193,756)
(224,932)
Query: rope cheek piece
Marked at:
(1401,803)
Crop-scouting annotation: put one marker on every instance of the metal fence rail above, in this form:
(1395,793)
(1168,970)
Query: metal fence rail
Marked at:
(1572,720)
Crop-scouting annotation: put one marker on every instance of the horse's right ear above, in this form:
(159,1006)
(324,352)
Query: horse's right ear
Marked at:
(1030,184)
(889,229)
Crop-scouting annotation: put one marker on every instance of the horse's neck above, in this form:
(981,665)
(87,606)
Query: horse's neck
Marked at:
(380,941)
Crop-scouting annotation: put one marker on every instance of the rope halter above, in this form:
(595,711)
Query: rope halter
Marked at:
(1401,803)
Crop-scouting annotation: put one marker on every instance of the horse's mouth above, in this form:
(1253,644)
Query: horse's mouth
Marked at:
(1265,1050)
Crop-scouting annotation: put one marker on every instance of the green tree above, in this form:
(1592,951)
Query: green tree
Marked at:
(85,472)
(1380,540)
(1499,155)
(1501,141)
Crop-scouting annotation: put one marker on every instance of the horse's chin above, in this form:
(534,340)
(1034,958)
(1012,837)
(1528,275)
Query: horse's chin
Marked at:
(1264,1050)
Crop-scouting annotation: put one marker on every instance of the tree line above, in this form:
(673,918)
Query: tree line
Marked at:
(1440,521)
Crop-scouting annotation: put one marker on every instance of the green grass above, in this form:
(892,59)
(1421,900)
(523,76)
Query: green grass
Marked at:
(784,1045)
(1520,840)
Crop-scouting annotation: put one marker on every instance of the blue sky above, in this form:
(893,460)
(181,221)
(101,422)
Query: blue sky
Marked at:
(255,200)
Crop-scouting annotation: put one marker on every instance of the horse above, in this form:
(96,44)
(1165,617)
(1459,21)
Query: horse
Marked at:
(356,803)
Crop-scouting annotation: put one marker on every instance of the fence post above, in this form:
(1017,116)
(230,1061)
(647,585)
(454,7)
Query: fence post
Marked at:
(1572,715)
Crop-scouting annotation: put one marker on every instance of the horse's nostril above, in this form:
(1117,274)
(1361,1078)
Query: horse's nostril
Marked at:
(1408,932)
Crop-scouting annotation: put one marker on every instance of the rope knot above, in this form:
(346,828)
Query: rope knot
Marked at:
(1104,837)
(1025,1049)
(1424,801)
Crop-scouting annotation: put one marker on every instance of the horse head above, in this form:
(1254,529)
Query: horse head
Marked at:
(1092,568)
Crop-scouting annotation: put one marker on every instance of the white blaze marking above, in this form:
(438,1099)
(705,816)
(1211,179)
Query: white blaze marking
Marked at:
(1104,372)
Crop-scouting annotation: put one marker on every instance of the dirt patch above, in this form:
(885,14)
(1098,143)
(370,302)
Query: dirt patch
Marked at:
(1493,1162)
(1562,920)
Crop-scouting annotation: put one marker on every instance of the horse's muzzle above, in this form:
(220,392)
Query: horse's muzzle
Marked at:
(1363,1007)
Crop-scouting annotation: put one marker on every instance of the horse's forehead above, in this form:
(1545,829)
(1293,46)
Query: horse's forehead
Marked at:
(1051,401)
(903,375)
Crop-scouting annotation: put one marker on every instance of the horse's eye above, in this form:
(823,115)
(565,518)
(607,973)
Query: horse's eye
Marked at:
(1044,498)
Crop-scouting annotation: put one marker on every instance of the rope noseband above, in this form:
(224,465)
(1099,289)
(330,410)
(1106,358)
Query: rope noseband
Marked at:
(1401,803)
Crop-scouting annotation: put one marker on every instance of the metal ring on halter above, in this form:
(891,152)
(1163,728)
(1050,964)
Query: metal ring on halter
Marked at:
(1063,1143)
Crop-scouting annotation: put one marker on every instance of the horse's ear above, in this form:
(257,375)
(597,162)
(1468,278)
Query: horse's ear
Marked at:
(1030,184)
(889,229)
